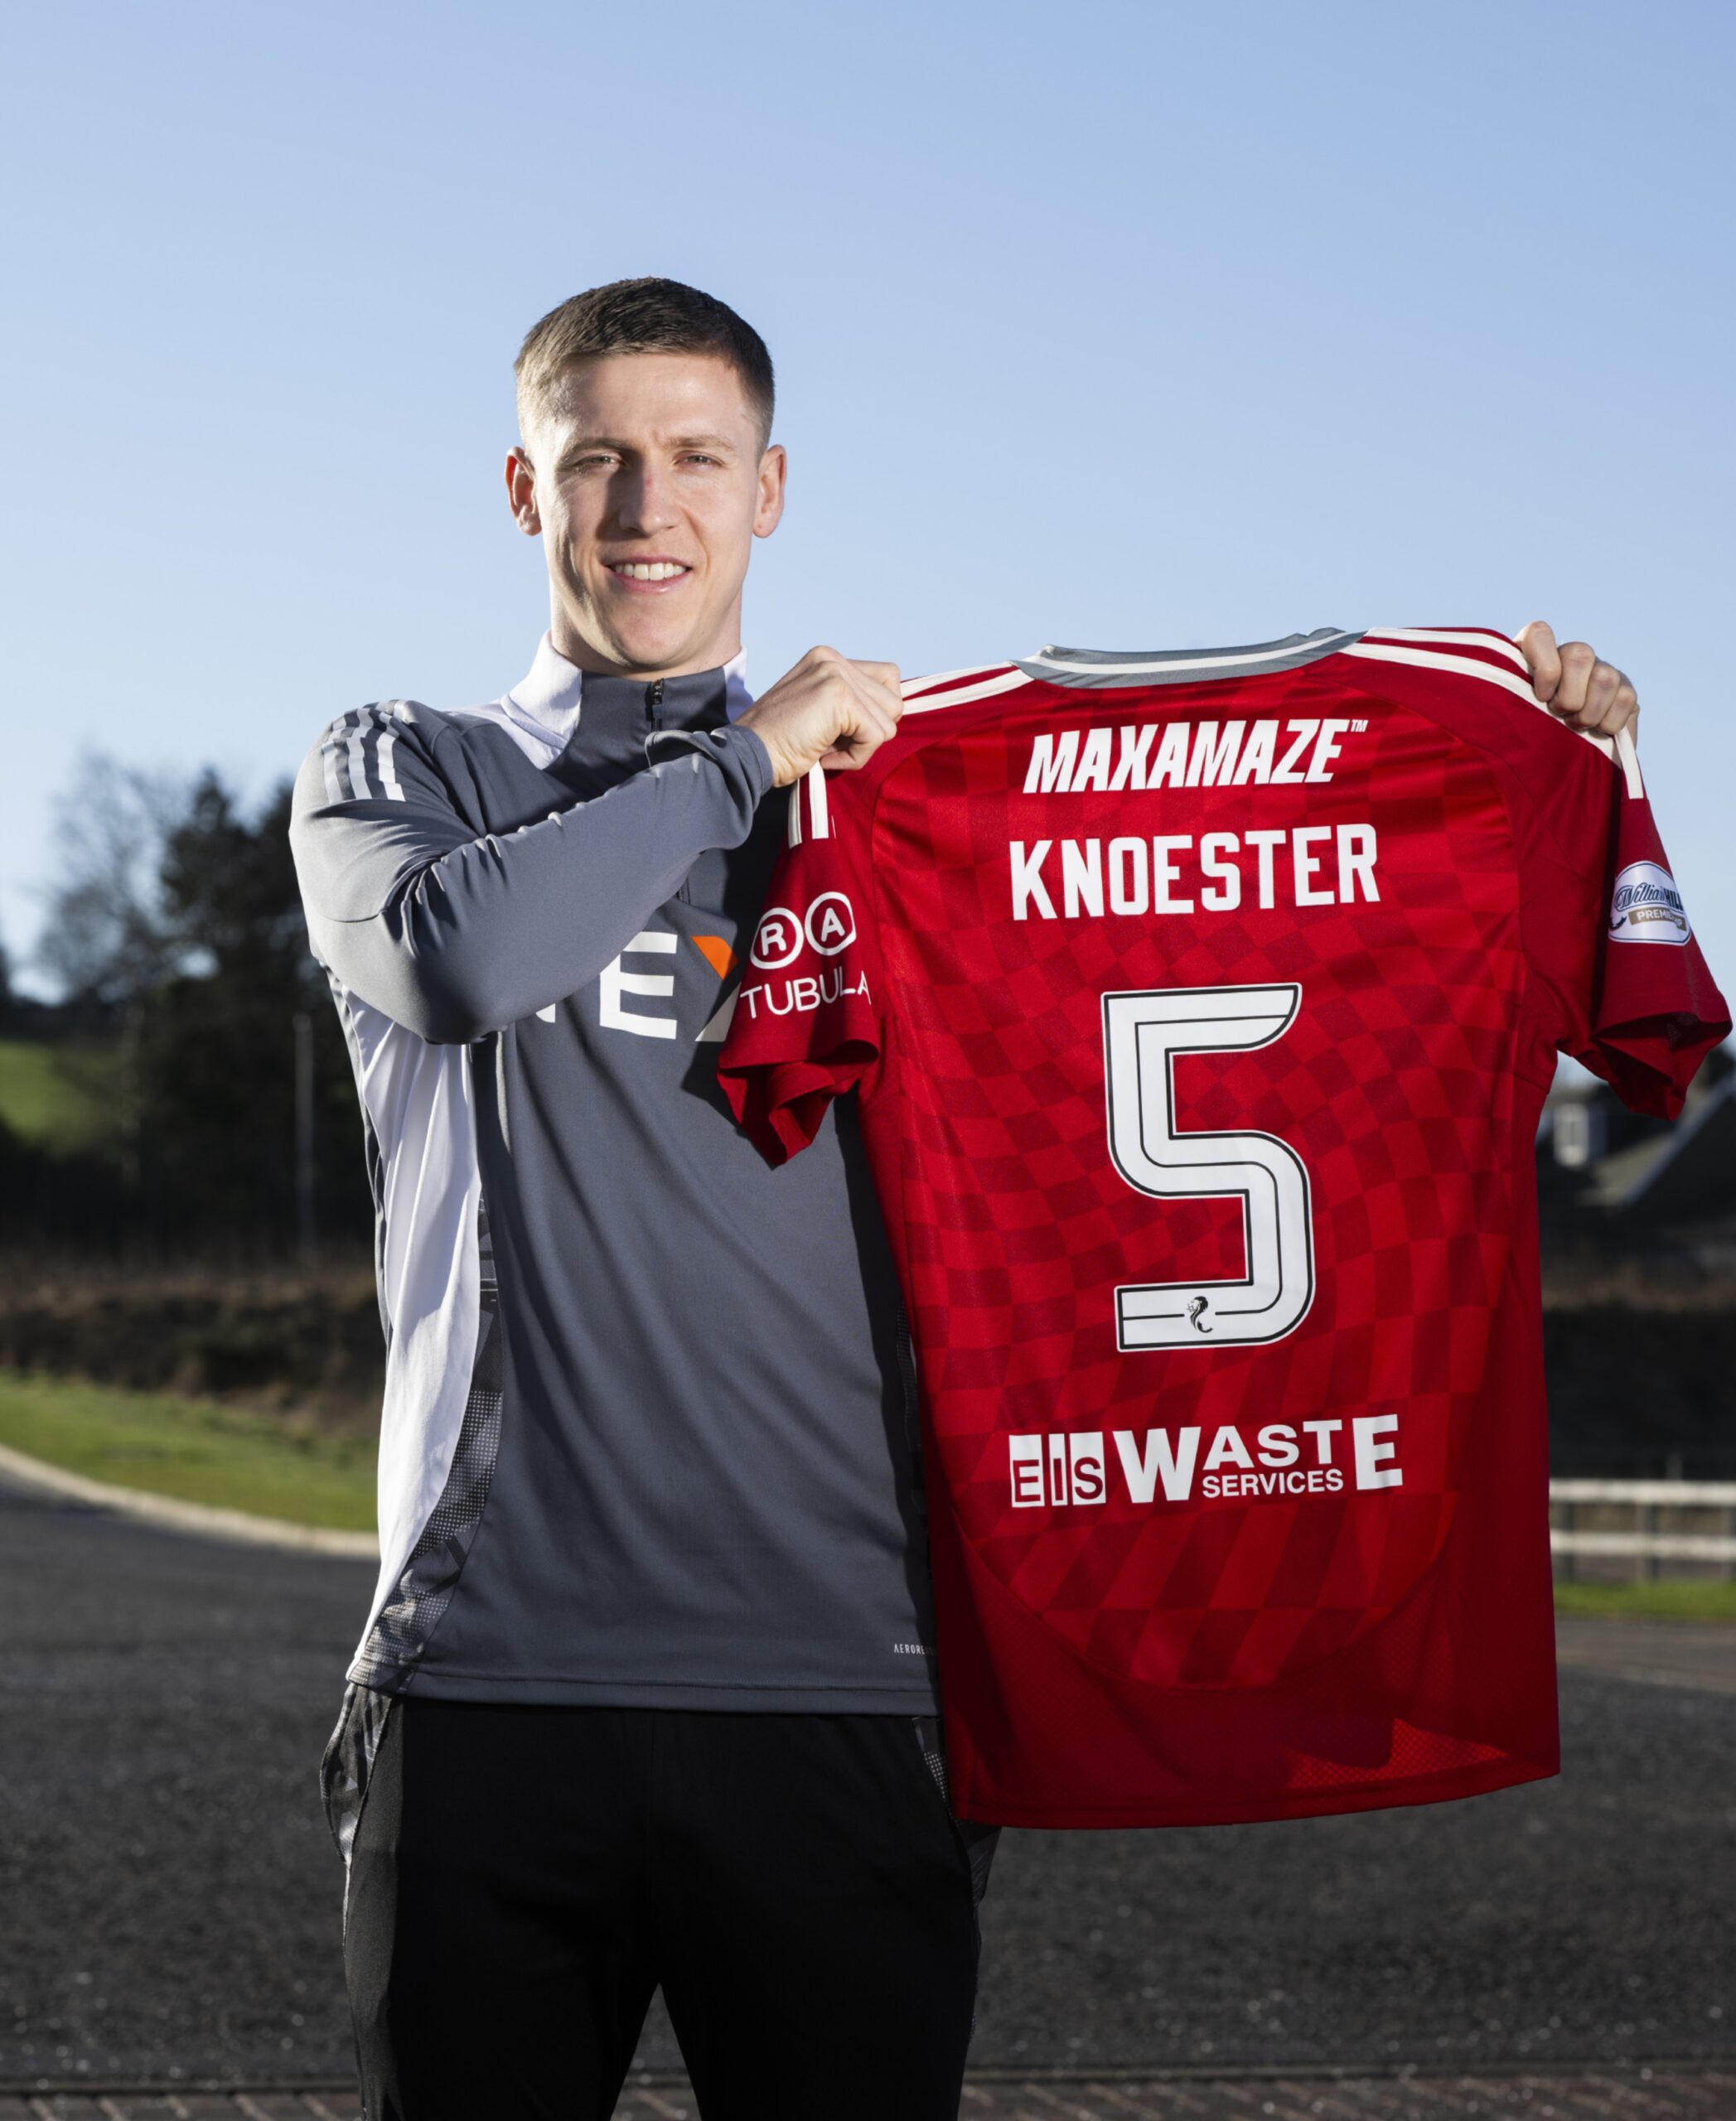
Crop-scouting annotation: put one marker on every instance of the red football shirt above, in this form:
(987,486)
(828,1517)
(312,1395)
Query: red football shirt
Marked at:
(1201,1008)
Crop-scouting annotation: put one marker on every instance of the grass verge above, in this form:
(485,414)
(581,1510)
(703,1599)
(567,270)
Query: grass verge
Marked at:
(1668,1598)
(199,1452)
(60,1097)
(191,1449)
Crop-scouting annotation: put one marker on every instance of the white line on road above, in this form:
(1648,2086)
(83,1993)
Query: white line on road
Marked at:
(198,1518)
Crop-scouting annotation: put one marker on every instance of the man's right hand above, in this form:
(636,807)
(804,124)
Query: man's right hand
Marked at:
(827,711)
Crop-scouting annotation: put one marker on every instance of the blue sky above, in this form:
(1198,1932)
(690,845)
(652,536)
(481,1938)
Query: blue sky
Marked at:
(1131,326)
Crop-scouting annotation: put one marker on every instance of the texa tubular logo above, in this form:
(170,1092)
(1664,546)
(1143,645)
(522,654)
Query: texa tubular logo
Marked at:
(827,926)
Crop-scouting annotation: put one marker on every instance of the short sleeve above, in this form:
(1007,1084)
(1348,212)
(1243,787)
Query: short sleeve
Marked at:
(807,1024)
(1654,1011)
(1617,978)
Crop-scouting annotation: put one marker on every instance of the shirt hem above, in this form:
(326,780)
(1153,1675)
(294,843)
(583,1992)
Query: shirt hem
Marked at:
(533,1690)
(1475,1781)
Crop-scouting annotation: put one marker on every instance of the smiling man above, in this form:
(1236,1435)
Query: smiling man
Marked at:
(645,1695)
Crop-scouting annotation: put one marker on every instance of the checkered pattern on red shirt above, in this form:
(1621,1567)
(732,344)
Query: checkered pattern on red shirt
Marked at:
(1393,1086)
(1232,1655)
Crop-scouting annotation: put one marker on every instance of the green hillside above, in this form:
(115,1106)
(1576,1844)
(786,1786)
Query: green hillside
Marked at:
(58,1097)
(195,1450)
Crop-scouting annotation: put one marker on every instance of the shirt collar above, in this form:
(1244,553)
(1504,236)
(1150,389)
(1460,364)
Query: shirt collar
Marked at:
(547,700)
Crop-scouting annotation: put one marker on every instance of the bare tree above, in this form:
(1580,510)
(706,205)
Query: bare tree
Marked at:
(105,937)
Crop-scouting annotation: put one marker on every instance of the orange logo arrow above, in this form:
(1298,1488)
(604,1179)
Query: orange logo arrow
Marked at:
(717,953)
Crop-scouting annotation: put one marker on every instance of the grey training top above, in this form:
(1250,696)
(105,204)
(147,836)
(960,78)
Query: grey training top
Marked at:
(648,1438)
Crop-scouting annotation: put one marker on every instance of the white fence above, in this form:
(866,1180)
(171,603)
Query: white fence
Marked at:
(1657,1536)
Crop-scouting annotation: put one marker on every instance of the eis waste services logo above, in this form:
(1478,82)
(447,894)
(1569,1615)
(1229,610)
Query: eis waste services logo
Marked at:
(1647,908)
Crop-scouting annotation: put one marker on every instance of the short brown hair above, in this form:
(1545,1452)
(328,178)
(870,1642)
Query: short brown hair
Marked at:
(642,316)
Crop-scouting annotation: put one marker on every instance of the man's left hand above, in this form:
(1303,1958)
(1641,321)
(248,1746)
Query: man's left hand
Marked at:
(1573,682)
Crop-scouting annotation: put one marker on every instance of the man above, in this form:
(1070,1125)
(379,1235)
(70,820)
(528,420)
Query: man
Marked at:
(647,1694)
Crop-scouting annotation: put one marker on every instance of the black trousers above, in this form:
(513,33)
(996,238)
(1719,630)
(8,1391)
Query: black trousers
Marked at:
(521,1879)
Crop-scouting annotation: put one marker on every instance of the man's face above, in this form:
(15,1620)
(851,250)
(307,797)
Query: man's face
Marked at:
(646,479)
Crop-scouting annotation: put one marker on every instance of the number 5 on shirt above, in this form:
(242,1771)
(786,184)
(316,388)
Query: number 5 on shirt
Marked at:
(1144,1033)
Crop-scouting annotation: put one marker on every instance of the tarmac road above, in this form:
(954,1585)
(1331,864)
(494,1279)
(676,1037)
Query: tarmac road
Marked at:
(169,1897)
